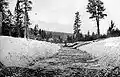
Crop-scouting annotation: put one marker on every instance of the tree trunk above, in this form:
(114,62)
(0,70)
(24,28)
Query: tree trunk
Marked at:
(17,24)
(18,28)
(25,31)
(10,30)
(0,23)
(25,20)
(98,28)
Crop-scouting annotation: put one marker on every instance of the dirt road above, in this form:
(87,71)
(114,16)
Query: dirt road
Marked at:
(66,63)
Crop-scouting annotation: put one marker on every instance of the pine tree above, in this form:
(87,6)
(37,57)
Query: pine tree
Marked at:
(3,6)
(22,7)
(7,28)
(77,25)
(111,30)
(111,26)
(40,32)
(19,17)
(48,35)
(96,9)
(88,33)
(69,39)
(60,39)
(36,31)
(43,34)
(27,7)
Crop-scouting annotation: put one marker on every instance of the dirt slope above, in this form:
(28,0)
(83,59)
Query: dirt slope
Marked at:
(21,52)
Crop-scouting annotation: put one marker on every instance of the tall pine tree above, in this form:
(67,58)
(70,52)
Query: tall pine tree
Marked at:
(96,9)
(21,10)
(27,7)
(77,25)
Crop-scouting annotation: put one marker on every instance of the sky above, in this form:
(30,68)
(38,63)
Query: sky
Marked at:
(59,15)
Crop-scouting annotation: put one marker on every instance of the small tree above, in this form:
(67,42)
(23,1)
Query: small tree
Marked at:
(69,39)
(48,35)
(77,25)
(93,36)
(96,9)
(36,31)
(60,39)
(43,34)
(88,33)
(112,25)
(112,31)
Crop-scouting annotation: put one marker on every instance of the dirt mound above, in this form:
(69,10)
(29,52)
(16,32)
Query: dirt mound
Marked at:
(107,51)
(21,52)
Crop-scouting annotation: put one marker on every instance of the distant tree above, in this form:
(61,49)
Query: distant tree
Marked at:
(40,32)
(96,9)
(88,36)
(117,32)
(43,34)
(88,33)
(77,25)
(69,39)
(80,37)
(93,36)
(112,25)
(111,30)
(114,33)
(103,36)
(60,39)
(85,37)
(48,35)
(31,33)
(36,31)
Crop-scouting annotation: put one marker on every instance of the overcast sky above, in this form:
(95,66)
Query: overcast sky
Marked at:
(58,15)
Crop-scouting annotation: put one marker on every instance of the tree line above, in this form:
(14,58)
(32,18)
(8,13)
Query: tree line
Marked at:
(17,24)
